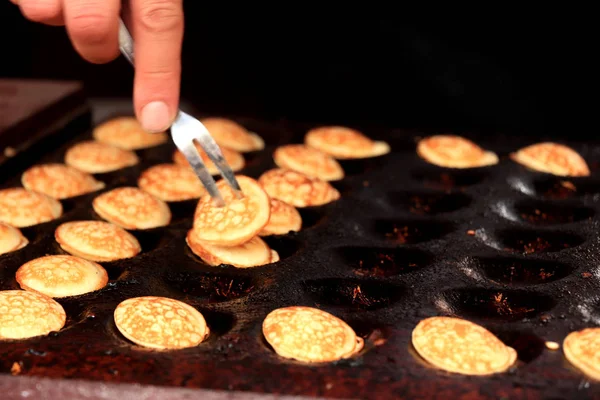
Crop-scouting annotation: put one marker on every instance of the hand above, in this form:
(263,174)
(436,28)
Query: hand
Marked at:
(157,28)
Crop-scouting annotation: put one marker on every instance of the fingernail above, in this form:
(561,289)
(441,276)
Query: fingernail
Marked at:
(155,117)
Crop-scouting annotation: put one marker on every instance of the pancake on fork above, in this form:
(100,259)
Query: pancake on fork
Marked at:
(96,158)
(61,276)
(96,241)
(230,134)
(552,158)
(460,346)
(11,239)
(252,253)
(582,349)
(22,208)
(233,158)
(310,335)
(25,315)
(160,323)
(171,182)
(59,181)
(297,189)
(344,143)
(239,220)
(127,133)
(308,161)
(132,208)
(283,220)
(451,151)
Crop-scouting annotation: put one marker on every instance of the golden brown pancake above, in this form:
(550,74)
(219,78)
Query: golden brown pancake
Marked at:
(22,208)
(97,158)
(284,219)
(344,143)
(274,256)
(160,323)
(232,135)
(552,158)
(236,222)
(308,161)
(310,335)
(452,151)
(127,133)
(460,346)
(25,315)
(171,182)
(297,189)
(582,349)
(61,276)
(132,208)
(59,181)
(233,158)
(11,239)
(252,253)
(96,241)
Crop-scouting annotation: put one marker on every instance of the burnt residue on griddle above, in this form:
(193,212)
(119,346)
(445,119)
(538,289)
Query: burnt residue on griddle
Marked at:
(521,271)
(383,262)
(410,232)
(530,241)
(213,287)
(448,178)
(544,213)
(429,203)
(492,304)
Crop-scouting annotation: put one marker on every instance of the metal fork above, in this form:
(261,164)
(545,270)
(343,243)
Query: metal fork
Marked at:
(184,131)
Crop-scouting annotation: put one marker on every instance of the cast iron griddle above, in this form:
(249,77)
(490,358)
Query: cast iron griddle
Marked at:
(394,250)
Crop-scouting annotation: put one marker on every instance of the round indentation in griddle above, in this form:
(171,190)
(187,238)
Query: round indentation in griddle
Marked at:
(353,293)
(359,166)
(449,178)
(494,304)
(540,213)
(383,262)
(313,216)
(529,241)
(428,202)
(410,231)
(519,271)
(556,187)
(527,345)
(182,212)
(212,287)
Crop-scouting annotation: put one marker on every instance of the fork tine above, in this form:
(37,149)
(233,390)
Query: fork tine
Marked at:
(191,154)
(213,151)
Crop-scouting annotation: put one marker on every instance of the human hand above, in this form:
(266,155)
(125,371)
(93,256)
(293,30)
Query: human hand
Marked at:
(157,27)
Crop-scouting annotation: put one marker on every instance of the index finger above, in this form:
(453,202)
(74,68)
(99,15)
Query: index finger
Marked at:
(157,27)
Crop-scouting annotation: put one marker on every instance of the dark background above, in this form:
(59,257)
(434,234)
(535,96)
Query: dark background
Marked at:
(481,71)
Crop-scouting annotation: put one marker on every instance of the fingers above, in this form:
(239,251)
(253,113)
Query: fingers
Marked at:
(157,27)
(93,27)
(48,12)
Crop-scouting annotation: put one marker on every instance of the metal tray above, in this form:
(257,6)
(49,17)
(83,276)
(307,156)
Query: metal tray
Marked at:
(467,243)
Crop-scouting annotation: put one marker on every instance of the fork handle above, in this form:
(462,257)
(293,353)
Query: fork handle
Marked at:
(125,42)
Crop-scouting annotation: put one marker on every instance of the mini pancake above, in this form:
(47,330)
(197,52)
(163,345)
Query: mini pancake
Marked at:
(310,335)
(11,239)
(308,161)
(127,133)
(22,208)
(96,240)
(344,143)
(252,253)
(171,182)
(582,349)
(297,189)
(61,276)
(160,323)
(274,256)
(452,151)
(59,181)
(25,315)
(97,158)
(132,208)
(230,134)
(552,158)
(233,158)
(284,219)
(460,346)
(236,222)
